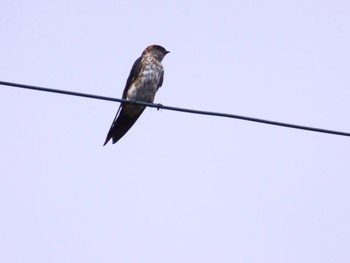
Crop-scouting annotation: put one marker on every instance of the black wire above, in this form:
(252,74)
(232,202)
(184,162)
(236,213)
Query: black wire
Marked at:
(160,106)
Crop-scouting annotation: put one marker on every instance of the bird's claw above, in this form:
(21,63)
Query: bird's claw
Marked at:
(133,101)
(159,106)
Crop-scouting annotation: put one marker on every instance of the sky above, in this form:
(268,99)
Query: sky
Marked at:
(177,187)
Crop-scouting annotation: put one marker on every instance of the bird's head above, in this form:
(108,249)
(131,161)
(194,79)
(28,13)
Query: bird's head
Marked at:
(155,51)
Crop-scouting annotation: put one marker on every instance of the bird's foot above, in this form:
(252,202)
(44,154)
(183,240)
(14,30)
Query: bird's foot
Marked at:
(133,101)
(159,106)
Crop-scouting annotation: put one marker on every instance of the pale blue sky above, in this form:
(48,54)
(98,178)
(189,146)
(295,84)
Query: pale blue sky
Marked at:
(178,187)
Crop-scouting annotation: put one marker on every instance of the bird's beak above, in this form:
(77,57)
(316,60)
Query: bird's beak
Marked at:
(167,51)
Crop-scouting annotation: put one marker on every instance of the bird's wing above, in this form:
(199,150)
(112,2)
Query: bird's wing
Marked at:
(161,80)
(134,73)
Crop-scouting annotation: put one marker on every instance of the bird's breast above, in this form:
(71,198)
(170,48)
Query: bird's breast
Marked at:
(145,86)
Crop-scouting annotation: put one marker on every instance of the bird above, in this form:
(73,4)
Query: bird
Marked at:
(145,78)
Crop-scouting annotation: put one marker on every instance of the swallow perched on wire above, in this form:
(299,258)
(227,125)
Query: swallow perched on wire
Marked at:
(145,78)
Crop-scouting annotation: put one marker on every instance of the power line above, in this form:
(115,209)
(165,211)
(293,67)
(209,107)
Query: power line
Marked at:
(160,106)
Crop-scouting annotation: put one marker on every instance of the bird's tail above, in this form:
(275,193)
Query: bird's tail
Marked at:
(120,126)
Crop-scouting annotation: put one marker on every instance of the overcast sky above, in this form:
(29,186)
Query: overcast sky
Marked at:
(177,187)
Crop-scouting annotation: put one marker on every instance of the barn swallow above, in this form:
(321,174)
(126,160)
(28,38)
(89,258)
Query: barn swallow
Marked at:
(145,78)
